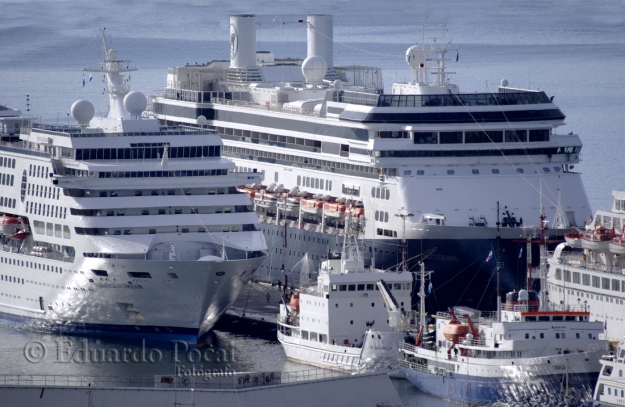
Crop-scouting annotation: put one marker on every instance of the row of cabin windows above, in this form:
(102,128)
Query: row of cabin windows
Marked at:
(381,193)
(556,318)
(50,211)
(44,191)
(477,172)
(117,232)
(588,280)
(7,202)
(602,388)
(580,295)
(38,171)
(507,152)
(7,179)
(287,158)
(161,211)
(369,287)
(7,162)
(471,137)
(163,174)
(558,335)
(311,182)
(146,152)
(34,265)
(80,193)
(386,232)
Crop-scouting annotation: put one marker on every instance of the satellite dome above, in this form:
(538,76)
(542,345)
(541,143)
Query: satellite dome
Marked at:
(416,57)
(504,83)
(314,69)
(82,111)
(338,84)
(112,53)
(524,295)
(135,103)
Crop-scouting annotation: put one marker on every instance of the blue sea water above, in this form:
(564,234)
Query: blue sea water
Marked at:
(573,50)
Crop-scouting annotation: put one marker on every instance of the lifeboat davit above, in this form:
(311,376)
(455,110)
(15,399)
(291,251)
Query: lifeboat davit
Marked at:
(617,245)
(294,303)
(598,239)
(266,199)
(20,235)
(247,190)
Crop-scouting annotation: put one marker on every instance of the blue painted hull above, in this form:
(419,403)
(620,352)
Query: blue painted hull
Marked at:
(147,332)
(547,390)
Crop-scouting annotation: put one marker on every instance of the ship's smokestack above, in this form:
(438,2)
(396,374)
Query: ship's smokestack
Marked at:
(321,40)
(243,41)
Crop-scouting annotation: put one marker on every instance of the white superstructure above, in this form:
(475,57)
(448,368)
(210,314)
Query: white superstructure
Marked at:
(588,270)
(468,166)
(610,388)
(120,226)
(343,321)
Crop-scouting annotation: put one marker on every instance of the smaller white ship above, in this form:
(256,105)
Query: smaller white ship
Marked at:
(589,269)
(352,319)
(526,352)
(610,389)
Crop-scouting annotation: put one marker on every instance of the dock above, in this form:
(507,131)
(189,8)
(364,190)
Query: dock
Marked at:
(312,388)
(254,312)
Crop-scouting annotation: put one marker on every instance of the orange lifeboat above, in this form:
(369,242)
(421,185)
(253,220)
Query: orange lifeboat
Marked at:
(8,223)
(334,209)
(357,212)
(294,303)
(311,205)
(455,330)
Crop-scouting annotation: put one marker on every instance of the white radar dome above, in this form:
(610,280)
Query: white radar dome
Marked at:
(416,57)
(314,69)
(82,111)
(504,83)
(135,103)
(338,84)
(112,53)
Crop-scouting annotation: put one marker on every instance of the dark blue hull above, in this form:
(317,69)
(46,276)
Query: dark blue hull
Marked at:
(544,390)
(147,332)
(462,276)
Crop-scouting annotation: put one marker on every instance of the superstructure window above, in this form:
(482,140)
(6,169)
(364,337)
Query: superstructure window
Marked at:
(539,135)
(425,137)
(100,273)
(450,137)
(138,274)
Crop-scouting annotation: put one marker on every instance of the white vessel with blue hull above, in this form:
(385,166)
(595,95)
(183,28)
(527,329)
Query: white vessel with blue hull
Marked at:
(610,388)
(480,359)
(424,149)
(121,227)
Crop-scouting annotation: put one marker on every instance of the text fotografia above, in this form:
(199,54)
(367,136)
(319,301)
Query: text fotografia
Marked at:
(65,351)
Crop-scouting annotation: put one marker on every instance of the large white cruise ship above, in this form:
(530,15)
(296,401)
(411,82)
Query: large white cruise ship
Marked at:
(120,227)
(589,269)
(444,169)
